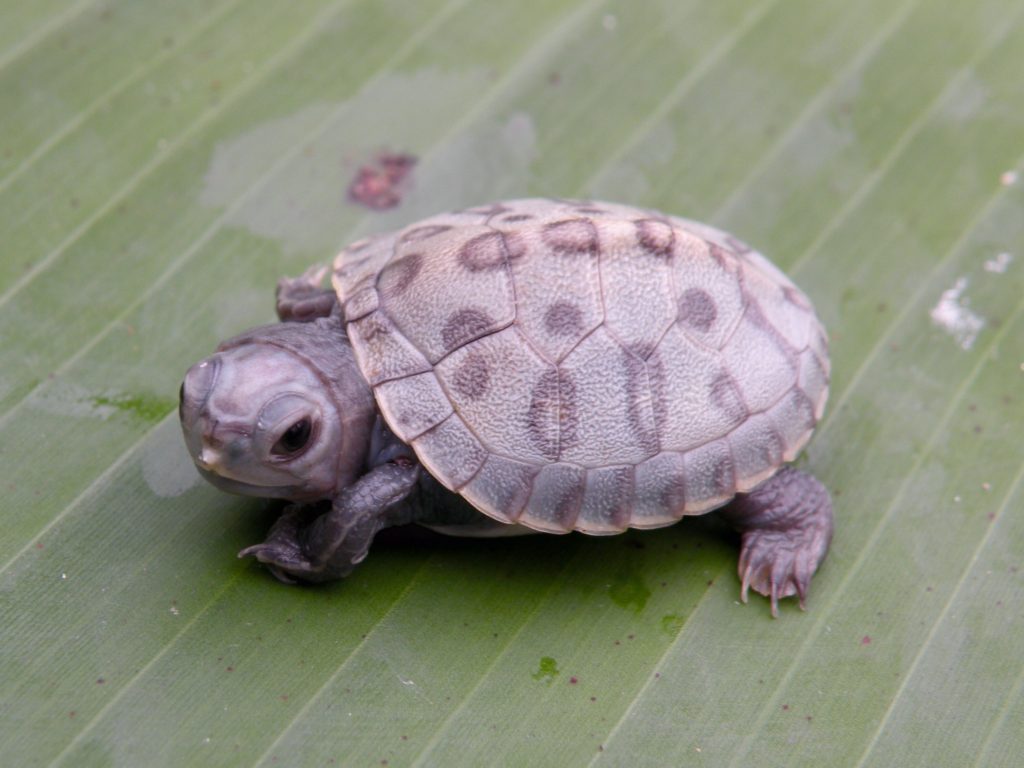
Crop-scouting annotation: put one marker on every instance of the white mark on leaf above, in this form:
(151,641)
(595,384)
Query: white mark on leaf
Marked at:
(999,263)
(954,316)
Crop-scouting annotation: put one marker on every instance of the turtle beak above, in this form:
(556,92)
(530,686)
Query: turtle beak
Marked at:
(197,386)
(210,460)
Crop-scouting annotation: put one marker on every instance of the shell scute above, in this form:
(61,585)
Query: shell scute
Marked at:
(575,364)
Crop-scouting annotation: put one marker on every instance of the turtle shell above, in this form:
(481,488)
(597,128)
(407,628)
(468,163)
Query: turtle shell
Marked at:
(580,365)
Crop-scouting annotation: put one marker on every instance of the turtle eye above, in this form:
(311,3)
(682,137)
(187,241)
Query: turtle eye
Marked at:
(294,438)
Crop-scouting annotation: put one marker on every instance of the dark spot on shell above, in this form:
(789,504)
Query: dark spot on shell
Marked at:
(725,396)
(515,245)
(697,309)
(656,237)
(638,401)
(399,274)
(592,211)
(552,418)
(563,318)
(464,326)
(567,507)
(516,217)
(422,233)
(487,251)
(572,236)
(472,377)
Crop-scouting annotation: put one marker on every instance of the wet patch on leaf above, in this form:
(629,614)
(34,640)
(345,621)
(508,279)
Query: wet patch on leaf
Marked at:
(547,671)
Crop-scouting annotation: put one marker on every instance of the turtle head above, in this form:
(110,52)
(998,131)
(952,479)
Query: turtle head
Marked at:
(281,411)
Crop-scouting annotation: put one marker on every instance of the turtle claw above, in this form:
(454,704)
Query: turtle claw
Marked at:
(282,552)
(786,525)
(778,564)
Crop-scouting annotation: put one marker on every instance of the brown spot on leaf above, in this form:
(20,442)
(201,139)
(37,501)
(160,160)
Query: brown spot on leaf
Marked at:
(380,184)
(572,236)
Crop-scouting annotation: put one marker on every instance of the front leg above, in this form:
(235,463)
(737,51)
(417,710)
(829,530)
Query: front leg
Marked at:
(303,545)
(302,299)
(786,523)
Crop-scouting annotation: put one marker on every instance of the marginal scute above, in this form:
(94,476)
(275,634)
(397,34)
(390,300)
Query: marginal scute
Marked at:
(501,487)
(813,380)
(607,500)
(381,351)
(762,370)
(756,450)
(710,477)
(450,452)
(572,236)
(656,237)
(364,301)
(794,420)
(660,495)
(556,499)
(413,404)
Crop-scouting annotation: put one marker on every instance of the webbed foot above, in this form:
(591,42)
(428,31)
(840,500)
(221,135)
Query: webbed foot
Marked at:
(324,542)
(786,524)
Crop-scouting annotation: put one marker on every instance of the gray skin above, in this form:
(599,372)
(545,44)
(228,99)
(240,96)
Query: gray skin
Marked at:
(283,412)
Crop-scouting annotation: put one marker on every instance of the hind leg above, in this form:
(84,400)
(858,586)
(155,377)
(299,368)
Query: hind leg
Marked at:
(786,523)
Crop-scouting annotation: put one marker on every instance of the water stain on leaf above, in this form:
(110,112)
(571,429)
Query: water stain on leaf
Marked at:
(547,671)
(629,591)
(672,623)
(144,406)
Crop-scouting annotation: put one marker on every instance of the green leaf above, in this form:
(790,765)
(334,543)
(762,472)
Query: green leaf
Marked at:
(162,164)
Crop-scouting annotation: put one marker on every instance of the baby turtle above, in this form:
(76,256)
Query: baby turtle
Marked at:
(551,365)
